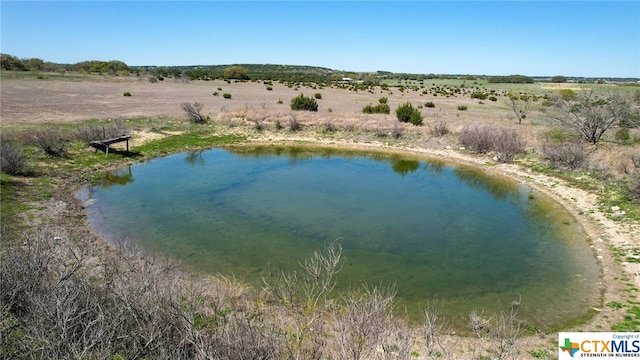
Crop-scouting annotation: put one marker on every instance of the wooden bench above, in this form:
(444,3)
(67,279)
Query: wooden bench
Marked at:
(106,142)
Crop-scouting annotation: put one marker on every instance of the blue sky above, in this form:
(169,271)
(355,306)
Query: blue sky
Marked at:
(594,39)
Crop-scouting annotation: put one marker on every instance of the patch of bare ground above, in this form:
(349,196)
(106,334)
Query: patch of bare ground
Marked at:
(338,123)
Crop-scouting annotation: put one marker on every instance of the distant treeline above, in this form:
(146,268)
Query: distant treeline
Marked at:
(113,67)
(511,79)
(244,72)
(254,72)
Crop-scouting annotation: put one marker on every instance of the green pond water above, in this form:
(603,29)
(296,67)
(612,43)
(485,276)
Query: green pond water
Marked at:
(434,230)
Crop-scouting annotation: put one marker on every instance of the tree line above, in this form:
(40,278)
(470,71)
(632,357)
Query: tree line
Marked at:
(113,67)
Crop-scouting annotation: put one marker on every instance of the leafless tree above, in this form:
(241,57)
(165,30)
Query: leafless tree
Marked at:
(194,112)
(521,104)
(588,114)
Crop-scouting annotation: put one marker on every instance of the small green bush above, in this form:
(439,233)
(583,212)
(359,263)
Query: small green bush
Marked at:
(407,113)
(304,103)
(479,95)
(226,96)
(383,100)
(462,107)
(317,96)
(430,104)
(269,88)
(493,98)
(378,109)
(126,93)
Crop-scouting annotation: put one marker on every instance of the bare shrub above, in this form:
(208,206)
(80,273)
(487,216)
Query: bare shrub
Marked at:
(303,298)
(483,139)
(49,139)
(259,124)
(364,319)
(328,127)
(599,170)
(570,155)
(439,128)
(396,131)
(505,334)
(12,159)
(479,323)
(631,168)
(350,126)
(507,144)
(379,131)
(194,112)
(293,123)
(434,331)
(499,333)
(59,301)
(399,341)
(478,138)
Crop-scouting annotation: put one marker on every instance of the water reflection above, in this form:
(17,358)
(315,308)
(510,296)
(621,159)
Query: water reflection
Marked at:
(499,188)
(403,167)
(120,177)
(195,158)
(297,154)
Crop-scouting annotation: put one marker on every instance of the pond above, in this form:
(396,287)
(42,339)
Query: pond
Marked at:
(437,231)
